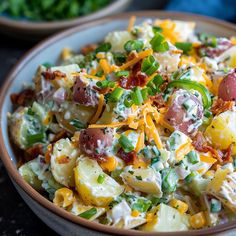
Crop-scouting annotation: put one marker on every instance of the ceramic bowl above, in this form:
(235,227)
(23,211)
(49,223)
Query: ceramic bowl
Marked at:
(33,31)
(61,221)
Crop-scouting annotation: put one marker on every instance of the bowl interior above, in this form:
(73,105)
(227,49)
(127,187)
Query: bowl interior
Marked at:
(49,51)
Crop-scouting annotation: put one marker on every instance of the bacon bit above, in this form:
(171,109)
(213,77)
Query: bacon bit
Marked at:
(136,78)
(34,151)
(227,157)
(158,101)
(200,144)
(128,158)
(48,153)
(88,48)
(63,159)
(51,75)
(60,135)
(220,106)
(22,98)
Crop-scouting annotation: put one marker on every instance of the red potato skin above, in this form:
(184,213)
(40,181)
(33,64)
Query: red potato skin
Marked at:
(227,87)
(89,142)
(175,114)
(84,94)
(217,51)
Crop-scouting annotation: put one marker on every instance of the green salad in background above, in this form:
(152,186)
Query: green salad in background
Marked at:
(49,10)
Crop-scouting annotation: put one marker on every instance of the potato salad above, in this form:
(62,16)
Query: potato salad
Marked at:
(137,131)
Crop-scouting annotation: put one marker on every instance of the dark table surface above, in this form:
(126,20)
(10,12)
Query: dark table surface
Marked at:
(16,218)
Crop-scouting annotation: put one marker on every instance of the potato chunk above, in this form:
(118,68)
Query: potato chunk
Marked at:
(89,188)
(222,130)
(144,180)
(63,161)
(167,219)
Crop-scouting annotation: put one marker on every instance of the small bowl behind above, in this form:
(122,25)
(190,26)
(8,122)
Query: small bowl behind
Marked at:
(34,31)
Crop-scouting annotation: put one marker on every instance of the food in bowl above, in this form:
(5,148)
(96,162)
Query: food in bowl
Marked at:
(45,10)
(136,132)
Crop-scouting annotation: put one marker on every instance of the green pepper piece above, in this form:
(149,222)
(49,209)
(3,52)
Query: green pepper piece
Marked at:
(188,84)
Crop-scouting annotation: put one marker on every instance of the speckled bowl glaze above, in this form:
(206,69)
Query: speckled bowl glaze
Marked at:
(58,219)
(33,31)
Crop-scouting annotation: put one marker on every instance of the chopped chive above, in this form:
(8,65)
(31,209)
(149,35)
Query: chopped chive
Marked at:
(208,114)
(189,178)
(149,65)
(105,47)
(128,102)
(105,84)
(125,143)
(30,111)
(116,94)
(184,46)
(131,172)
(215,205)
(157,29)
(144,93)
(124,73)
(139,177)
(35,138)
(154,160)
(47,64)
(77,124)
(193,157)
(133,45)
(99,73)
(119,58)
(159,43)
(169,180)
(154,84)
(101,178)
(89,213)
(137,96)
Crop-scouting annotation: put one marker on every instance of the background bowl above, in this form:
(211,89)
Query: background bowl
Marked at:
(31,31)
(61,221)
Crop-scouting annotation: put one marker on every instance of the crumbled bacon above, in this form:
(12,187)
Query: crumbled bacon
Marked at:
(220,106)
(88,48)
(136,78)
(51,75)
(23,98)
(129,157)
(34,151)
(158,101)
(227,157)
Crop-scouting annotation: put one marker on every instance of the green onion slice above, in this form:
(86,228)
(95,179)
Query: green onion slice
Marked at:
(133,45)
(125,143)
(184,46)
(116,94)
(89,213)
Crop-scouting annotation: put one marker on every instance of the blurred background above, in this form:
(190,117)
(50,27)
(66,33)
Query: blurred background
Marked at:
(15,217)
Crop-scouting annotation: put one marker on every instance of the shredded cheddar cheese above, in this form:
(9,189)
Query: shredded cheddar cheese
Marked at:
(99,109)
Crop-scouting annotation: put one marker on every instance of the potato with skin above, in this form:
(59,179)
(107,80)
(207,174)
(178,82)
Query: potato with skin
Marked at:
(94,142)
(30,177)
(71,111)
(21,125)
(92,191)
(227,88)
(222,130)
(63,161)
